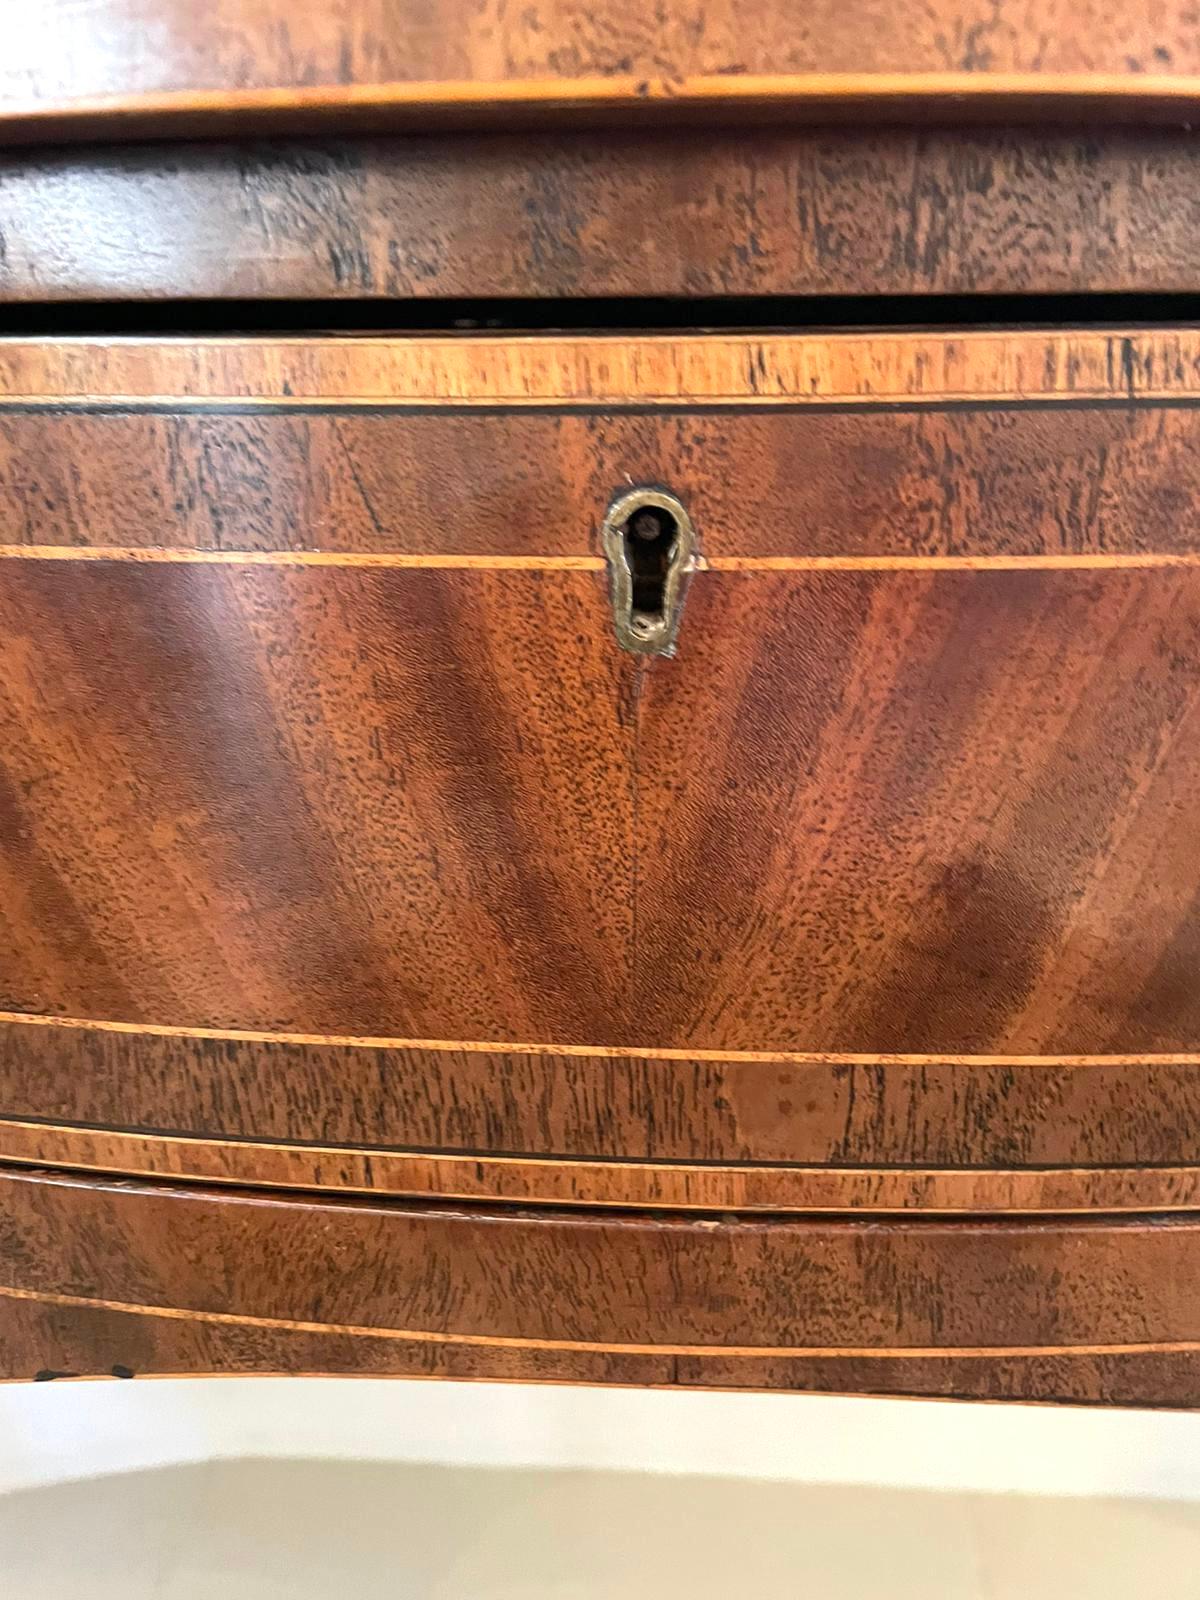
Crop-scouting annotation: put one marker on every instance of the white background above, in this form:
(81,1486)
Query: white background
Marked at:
(257,1488)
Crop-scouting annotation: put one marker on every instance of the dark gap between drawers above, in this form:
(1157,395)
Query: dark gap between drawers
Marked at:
(624,314)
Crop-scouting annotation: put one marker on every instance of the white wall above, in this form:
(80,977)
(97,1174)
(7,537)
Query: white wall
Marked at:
(53,1431)
(257,1489)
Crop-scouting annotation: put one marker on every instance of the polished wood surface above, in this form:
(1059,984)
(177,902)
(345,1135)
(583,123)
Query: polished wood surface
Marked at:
(601,103)
(44,1341)
(342,850)
(146,65)
(334,800)
(396,976)
(552,1181)
(946,480)
(66,49)
(382,801)
(594,1127)
(793,212)
(906,1288)
(953,811)
(1061,365)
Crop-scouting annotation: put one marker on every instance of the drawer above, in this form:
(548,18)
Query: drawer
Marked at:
(342,847)
(877,209)
(147,1279)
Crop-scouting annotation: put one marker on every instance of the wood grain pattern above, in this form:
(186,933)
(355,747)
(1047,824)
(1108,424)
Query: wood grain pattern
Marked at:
(968,828)
(591,1128)
(608,1283)
(66,50)
(319,796)
(743,369)
(47,1340)
(794,482)
(241,57)
(747,212)
(263,823)
(547,1181)
(381,802)
(339,847)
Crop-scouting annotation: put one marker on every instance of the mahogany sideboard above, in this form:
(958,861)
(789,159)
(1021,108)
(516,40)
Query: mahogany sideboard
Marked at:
(600,693)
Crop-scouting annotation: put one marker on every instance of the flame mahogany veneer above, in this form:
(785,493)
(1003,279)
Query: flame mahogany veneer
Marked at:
(398,977)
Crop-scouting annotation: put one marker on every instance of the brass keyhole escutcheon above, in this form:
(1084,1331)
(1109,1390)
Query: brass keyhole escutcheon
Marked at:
(650,546)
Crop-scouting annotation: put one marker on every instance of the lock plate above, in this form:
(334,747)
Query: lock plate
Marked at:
(650,546)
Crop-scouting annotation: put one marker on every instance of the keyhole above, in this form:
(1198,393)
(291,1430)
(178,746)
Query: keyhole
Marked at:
(650,538)
(650,545)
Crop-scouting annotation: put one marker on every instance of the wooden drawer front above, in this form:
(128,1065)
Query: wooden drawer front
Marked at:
(495,1283)
(237,56)
(872,209)
(904,812)
(341,846)
(327,800)
(790,481)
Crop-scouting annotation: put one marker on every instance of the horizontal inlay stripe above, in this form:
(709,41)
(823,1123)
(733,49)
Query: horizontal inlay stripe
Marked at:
(313,558)
(658,1185)
(240,1319)
(143,555)
(627,1052)
(918,96)
(629,369)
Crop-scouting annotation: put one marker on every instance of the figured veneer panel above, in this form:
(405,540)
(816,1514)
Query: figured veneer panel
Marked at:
(344,800)
(924,812)
(770,211)
(46,1340)
(550,1180)
(997,480)
(314,727)
(904,811)
(688,1286)
(587,1127)
(65,52)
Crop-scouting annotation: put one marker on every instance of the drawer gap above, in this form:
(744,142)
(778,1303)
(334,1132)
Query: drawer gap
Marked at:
(614,314)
